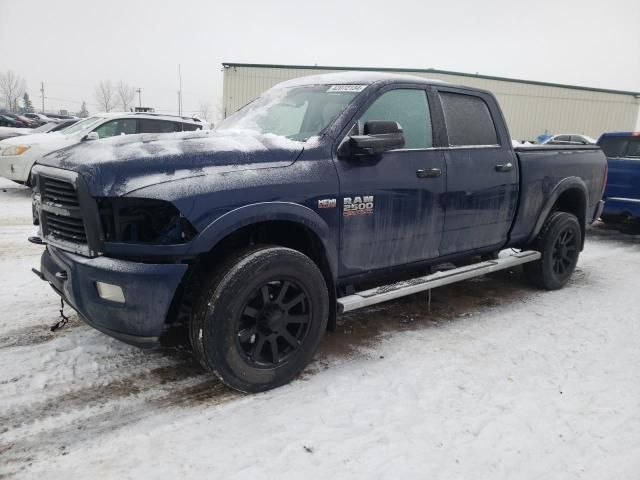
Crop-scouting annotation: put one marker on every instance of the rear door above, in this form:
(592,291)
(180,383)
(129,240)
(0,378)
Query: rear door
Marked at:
(482,174)
(391,211)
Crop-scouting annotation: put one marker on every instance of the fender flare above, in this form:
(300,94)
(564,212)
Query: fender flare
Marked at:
(262,212)
(565,184)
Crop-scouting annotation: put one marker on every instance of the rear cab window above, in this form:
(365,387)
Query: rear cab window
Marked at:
(468,120)
(614,146)
(633,149)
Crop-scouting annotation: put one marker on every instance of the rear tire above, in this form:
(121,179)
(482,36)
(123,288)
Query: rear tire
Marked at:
(560,242)
(260,318)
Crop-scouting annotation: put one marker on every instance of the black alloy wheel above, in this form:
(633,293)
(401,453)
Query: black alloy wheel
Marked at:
(273,323)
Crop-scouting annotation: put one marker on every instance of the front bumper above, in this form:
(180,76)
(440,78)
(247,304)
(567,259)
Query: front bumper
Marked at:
(148,289)
(16,167)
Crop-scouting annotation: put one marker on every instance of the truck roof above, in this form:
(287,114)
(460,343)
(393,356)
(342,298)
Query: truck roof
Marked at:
(356,77)
(620,134)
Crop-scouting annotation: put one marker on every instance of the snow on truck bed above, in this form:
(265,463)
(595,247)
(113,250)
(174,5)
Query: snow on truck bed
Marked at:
(499,381)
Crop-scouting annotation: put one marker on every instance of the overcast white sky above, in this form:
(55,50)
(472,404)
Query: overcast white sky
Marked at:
(72,44)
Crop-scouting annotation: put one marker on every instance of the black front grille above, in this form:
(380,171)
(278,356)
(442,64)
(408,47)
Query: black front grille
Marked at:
(66,228)
(58,192)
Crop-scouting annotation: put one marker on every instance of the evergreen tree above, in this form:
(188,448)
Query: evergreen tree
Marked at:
(83,113)
(27,105)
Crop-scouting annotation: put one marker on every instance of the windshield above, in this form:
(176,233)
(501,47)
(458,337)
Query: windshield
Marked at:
(85,124)
(297,113)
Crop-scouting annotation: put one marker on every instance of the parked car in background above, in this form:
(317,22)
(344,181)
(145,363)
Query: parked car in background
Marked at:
(569,139)
(8,132)
(40,119)
(622,193)
(18,154)
(59,116)
(7,121)
(54,127)
(26,122)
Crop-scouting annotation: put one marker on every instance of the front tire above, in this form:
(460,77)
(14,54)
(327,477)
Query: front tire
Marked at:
(260,318)
(560,242)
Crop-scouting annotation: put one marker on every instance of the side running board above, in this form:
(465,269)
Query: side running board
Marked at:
(427,282)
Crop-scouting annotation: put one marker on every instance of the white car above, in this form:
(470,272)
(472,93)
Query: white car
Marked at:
(569,139)
(18,154)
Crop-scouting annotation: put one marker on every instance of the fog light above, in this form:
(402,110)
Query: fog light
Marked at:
(113,293)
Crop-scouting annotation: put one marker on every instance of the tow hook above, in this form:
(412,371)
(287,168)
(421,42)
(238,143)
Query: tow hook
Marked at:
(62,275)
(63,318)
(37,240)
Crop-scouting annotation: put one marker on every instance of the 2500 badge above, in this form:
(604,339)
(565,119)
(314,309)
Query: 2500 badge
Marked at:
(358,205)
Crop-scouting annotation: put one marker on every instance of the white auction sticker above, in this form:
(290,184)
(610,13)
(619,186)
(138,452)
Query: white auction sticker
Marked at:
(346,88)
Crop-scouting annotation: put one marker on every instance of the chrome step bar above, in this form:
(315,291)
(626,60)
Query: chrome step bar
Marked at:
(385,293)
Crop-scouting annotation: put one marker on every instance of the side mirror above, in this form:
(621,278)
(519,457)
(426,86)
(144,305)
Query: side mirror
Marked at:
(92,136)
(379,137)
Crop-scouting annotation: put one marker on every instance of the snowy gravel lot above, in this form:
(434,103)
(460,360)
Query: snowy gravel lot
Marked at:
(499,381)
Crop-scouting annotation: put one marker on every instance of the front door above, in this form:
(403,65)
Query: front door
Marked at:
(391,211)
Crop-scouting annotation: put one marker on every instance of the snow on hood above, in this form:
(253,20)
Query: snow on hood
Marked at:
(38,138)
(15,130)
(120,165)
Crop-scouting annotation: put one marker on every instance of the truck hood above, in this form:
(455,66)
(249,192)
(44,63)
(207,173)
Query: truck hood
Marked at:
(120,165)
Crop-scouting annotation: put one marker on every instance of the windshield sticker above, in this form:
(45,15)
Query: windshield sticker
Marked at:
(346,88)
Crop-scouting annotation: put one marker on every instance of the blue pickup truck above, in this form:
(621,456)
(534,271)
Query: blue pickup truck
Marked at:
(301,206)
(622,193)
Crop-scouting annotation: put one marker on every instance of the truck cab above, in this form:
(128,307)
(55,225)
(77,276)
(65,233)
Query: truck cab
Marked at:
(622,193)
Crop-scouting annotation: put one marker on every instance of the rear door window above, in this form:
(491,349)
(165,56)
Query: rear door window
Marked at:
(122,126)
(633,150)
(468,120)
(613,146)
(189,127)
(157,126)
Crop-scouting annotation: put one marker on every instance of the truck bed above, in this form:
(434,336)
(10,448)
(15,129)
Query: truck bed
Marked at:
(542,168)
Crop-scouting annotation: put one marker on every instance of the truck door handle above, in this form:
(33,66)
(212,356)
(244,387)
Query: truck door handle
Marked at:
(506,167)
(429,173)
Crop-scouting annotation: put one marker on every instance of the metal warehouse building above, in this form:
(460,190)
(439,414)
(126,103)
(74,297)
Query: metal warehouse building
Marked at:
(531,108)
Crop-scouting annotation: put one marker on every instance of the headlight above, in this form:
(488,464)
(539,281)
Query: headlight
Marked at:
(142,220)
(15,150)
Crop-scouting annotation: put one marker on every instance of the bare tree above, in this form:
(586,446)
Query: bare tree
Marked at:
(205,110)
(125,94)
(12,87)
(211,113)
(105,95)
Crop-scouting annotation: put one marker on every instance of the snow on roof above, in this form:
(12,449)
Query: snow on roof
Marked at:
(157,116)
(354,77)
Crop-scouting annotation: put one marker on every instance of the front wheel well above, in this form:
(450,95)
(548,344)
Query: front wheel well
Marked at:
(283,233)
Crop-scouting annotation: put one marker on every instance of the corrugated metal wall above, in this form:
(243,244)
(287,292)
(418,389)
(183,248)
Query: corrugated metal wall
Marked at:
(530,108)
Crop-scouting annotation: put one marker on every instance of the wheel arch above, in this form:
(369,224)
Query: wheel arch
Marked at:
(279,223)
(570,195)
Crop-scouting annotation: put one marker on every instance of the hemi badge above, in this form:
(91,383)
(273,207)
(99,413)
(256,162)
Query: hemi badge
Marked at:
(327,203)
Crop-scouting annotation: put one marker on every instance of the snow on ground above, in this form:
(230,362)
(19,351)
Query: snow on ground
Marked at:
(499,381)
